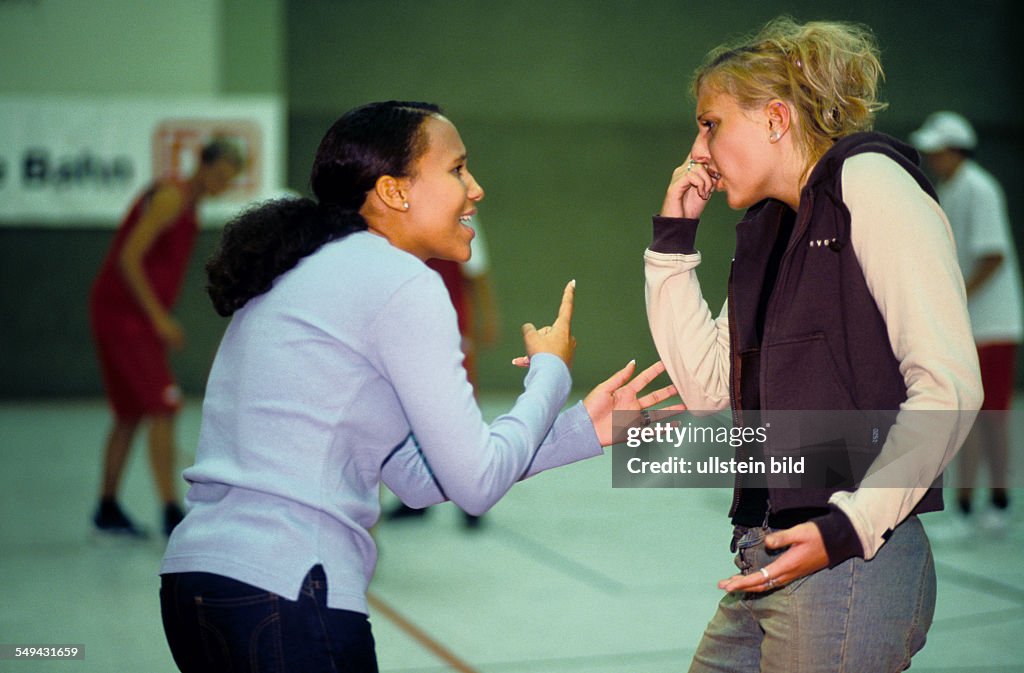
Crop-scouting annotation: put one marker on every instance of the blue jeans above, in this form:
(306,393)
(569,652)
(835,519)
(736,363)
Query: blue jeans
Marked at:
(214,623)
(859,617)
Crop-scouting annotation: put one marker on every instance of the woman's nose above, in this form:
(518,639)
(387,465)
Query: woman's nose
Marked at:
(699,151)
(474,192)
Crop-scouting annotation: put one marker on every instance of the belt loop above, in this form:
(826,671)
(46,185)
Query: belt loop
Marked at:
(737,533)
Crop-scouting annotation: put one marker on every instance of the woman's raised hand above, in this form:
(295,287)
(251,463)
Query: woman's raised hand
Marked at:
(622,394)
(691,186)
(557,337)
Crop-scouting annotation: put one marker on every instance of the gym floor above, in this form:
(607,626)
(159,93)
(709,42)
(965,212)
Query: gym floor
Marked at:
(565,574)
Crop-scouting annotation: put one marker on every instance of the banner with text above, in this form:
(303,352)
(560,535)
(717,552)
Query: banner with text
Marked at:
(69,161)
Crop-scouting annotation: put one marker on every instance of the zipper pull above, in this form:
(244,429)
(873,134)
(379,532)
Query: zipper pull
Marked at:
(767,513)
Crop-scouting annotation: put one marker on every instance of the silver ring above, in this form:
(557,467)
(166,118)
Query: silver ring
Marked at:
(764,571)
(770,583)
(647,417)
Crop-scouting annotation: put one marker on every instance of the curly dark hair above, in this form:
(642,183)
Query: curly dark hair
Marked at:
(266,241)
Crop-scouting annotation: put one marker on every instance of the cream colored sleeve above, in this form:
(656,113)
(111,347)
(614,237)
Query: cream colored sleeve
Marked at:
(903,243)
(693,345)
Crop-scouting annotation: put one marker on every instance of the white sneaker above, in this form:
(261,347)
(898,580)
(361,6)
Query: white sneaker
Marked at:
(994,520)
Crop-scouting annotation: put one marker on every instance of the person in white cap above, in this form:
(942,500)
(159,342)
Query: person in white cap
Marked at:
(976,206)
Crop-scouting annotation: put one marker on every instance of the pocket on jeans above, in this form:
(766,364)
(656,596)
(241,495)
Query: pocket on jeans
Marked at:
(746,549)
(241,632)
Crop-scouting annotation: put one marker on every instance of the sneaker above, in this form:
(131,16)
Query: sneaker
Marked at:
(172,517)
(994,520)
(111,519)
(953,528)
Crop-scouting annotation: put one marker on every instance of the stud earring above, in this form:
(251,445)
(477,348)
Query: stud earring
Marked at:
(405,205)
(774,137)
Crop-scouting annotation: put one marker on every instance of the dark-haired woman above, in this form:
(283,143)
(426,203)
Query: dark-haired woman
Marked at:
(341,368)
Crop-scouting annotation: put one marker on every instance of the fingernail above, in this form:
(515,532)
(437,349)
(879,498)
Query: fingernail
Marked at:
(573,282)
(633,361)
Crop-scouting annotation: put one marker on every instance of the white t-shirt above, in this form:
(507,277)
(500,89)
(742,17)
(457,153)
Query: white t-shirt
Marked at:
(479,261)
(976,208)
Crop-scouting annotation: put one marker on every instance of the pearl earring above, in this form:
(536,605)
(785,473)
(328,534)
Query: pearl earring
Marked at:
(406,205)
(774,137)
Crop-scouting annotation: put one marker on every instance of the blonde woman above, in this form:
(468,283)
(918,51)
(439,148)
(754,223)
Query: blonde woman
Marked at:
(844,295)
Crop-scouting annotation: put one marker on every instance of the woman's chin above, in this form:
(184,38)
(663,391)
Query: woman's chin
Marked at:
(461,255)
(738,202)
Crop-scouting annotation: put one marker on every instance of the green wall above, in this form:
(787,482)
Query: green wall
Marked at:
(109,46)
(574,113)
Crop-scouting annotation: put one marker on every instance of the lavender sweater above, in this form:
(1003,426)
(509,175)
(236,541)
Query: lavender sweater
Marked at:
(346,374)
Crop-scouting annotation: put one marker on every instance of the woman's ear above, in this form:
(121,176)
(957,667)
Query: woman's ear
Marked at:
(779,118)
(392,192)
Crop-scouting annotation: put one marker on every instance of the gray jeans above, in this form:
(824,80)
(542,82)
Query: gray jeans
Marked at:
(859,617)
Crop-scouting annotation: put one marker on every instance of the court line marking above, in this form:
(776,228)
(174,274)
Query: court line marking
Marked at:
(969,579)
(558,561)
(419,635)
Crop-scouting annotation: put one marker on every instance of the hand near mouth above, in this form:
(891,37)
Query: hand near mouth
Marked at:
(691,186)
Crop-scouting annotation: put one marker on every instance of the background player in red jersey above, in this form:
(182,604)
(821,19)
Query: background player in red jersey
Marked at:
(130,310)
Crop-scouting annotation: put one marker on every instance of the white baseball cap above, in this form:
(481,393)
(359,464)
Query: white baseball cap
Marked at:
(944,130)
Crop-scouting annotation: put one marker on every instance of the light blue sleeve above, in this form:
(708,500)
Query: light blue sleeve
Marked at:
(406,472)
(572,438)
(455,455)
